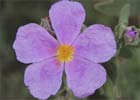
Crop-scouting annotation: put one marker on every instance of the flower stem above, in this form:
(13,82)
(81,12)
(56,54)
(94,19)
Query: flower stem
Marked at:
(69,95)
(65,93)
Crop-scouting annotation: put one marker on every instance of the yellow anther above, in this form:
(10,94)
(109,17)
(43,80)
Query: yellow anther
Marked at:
(65,53)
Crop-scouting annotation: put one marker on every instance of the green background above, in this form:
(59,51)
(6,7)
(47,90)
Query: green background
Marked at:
(123,74)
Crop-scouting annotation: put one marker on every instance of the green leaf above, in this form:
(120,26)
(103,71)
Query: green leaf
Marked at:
(123,21)
(124,14)
(111,70)
(125,52)
(111,90)
(119,30)
(128,75)
(112,7)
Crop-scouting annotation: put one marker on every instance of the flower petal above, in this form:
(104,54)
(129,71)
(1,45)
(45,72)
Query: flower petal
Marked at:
(84,77)
(33,43)
(96,43)
(67,18)
(44,78)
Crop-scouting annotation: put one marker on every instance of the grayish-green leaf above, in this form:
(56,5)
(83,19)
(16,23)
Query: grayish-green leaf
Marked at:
(124,14)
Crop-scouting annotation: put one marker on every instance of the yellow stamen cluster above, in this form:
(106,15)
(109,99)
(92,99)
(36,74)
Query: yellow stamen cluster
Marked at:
(65,53)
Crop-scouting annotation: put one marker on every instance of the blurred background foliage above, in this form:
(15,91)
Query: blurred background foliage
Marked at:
(123,72)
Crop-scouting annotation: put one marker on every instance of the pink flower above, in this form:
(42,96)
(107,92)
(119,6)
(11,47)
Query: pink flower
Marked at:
(78,54)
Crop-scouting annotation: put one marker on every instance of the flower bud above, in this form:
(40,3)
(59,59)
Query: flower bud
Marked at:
(130,35)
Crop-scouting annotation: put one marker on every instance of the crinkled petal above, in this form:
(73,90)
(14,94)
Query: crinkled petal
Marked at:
(33,43)
(84,77)
(44,78)
(96,43)
(67,18)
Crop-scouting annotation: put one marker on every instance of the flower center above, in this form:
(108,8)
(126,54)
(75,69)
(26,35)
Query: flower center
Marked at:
(65,53)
